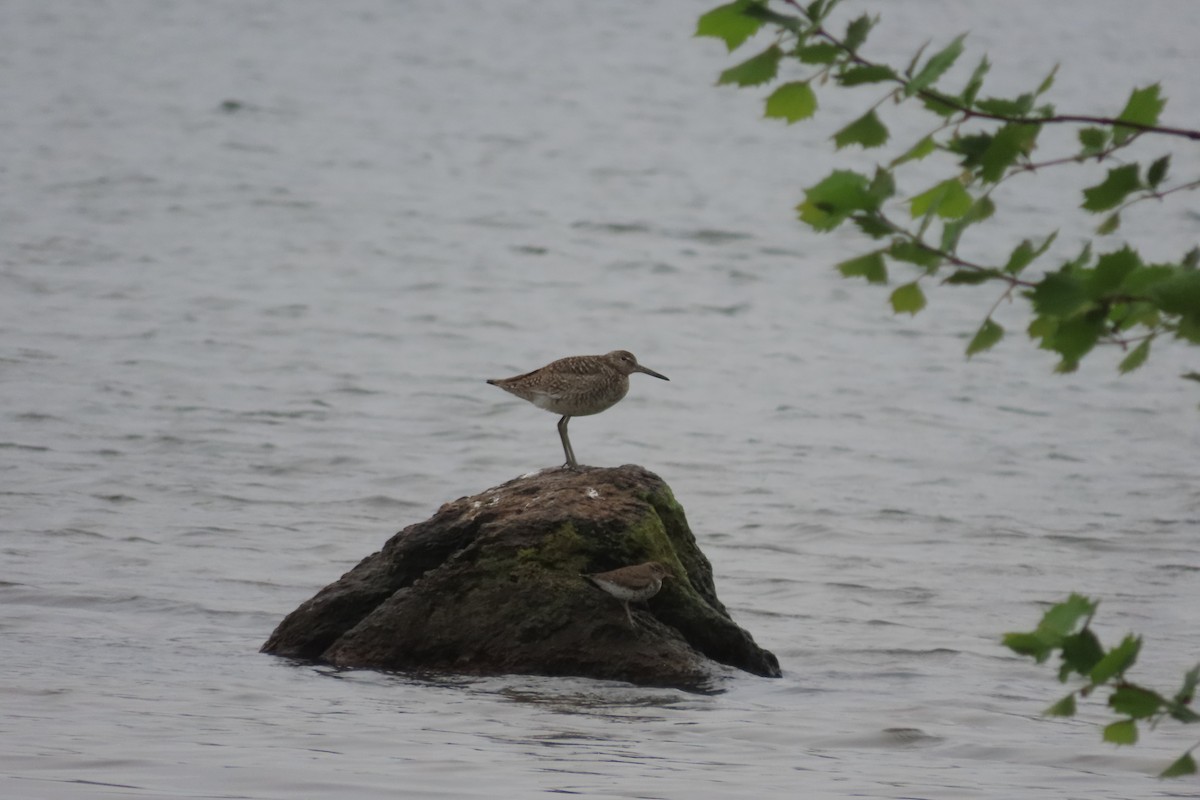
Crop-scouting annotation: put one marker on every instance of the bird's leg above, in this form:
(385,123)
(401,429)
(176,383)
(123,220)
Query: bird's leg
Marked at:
(562,434)
(629,614)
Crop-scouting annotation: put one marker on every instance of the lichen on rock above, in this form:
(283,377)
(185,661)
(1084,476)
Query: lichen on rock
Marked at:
(493,584)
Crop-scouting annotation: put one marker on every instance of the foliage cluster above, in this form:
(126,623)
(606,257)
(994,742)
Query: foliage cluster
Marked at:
(1066,628)
(1105,294)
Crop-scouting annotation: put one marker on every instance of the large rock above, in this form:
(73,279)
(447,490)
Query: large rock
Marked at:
(492,584)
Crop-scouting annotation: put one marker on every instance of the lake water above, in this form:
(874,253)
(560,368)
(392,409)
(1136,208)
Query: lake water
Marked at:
(258,258)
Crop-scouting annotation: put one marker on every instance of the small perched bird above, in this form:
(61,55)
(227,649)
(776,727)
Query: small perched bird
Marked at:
(576,386)
(631,584)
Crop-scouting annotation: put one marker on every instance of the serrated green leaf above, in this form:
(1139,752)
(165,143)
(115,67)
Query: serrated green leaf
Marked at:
(1123,732)
(975,82)
(988,334)
(819,53)
(1141,280)
(1136,357)
(1143,107)
(913,253)
(828,203)
(1009,143)
(1080,653)
(1110,224)
(867,131)
(971,148)
(1061,618)
(856,33)
(1111,271)
(1063,708)
(1093,140)
(1135,702)
(755,70)
(1075,337)
(1158,171)
(1028,644)
(870,266)
(872,225)
(1184,765)
(1060,295)
(729,24)
(1117,660)
(1109,193)
(869,73)
(917,151)
(908,299)
(792,102)
(1003,107)
(947,199)
(935,67)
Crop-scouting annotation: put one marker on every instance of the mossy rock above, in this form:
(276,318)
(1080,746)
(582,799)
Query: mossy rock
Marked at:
(492,584)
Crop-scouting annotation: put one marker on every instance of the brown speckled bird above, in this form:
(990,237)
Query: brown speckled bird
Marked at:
(632,584)
(576,386)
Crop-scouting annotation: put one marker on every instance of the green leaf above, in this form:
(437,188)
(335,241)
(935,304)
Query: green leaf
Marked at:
(935,67)
(1047,82)
(913,253)
(1020,258)
(1075,338)
(908,298)
(971,148)
(1135,702)
(1010,142)
(729,24)
(1061,619)
(1059,294)
(1123,732)
(971,277)
(1028,644)
(869,73)
(1187,692)
(988,334)
(917,151)
(1080,653)
(827,204)
(1184,765)
(867,131)
(792,102)
(947,199)
(1117,660)
(1191,376)
(1142,280)
(1179,294)
(1136,358)
(872,225)
(1111,271)
(1109,194)
(1003,107)
(856,33)
(754,71)
(975,82)
(870,266)
(820,53)
(1158,171)
(1110,224)
(1063,708)
(1143,108)
(1093,140)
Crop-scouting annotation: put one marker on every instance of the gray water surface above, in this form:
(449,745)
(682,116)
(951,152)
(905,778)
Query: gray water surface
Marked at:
(259,257)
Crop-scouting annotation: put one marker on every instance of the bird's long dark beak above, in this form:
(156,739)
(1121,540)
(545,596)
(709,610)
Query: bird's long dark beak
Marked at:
(649,371)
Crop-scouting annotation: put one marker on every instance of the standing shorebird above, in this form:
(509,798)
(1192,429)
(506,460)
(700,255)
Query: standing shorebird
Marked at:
(631,584)
(576,386)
